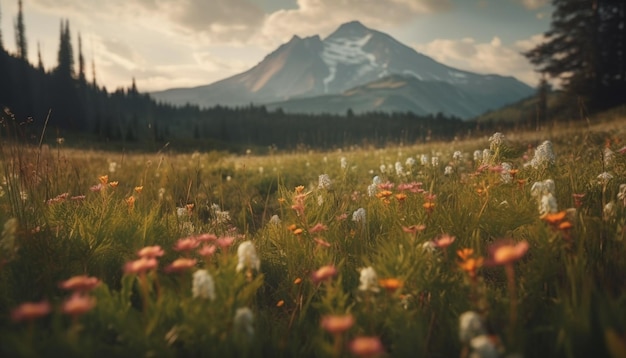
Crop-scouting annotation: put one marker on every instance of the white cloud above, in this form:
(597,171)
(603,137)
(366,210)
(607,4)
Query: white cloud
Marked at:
(534,4)
(492,57)
(313,17)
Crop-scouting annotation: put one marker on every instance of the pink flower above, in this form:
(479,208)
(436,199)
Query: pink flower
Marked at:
(318,228)
(181,264)
(321,242)
(506,252)
(187,244)
(342,217)
(366,346)
(385,186)
(337,324)
(140,265)
(324,273)
(78,304)
(96,188)
(443,240)
(225,242)
(206,237)
(207,250)
(413,187)
(80,283)
(29,311)
(151,252)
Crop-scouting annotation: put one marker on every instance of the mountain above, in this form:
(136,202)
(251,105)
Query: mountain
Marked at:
(338,67)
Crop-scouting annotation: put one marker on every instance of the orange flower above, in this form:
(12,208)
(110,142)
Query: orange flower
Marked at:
(401,197)
(390,284)
(471,265)
(138,189)
(292,227)
(506,252)
(298,231)
(335,324)
(181,264)
(465,253)
(366,347)
(297,281)
(280,303)
(130,201)
(103,179)
(565,225)
(384,194)
(554,218)
(429,206)
(114,184)
(321,242)
(281,200)
(299,189)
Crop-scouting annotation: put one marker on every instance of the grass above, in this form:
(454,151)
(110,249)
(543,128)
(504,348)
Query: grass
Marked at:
(358,252)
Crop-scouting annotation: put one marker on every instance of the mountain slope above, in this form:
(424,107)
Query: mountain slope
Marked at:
(352,56)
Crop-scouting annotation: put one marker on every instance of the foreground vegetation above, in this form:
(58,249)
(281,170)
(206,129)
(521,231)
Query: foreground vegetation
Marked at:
(499,247)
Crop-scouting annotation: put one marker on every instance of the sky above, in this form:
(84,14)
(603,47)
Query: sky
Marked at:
(185,43)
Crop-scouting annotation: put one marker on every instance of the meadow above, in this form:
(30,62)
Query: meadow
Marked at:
(509,245)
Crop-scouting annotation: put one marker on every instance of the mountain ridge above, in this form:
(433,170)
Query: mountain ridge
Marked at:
(351,56)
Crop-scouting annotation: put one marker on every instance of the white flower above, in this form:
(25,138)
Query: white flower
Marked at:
(496,140)
(434,161)
(410,161)
(478,155)
(399,169)
(383,168)
(359,216)
(247,256)
(541,188)
(372,189)
(424,159)
(483,347)
(368,280)
(180,212)
(275,220)
(161,193)
(320,200)
(544,156)
(428,246)
(243,322)
(457,155)
(112,167)
(448,170)
(505,175)
(547,204)
(608,212)
(324,182)
(604,178)
(203,285)
(470,326)
(608,156)
(376,180)
(344,163)
(486,157)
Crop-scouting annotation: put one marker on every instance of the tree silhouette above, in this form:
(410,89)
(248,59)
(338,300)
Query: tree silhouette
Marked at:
(20,34)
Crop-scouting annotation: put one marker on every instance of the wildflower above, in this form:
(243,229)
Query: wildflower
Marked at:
(424,159)
(180,212)
(324,273)
(469,264)
(298,231)
(336,324)
(96,188)
(496,140)
(78,304)
(482,346)
(390,284)
(486,156)
(203,285)
(275,220)
(505,174)
(207,251)
(384,194)
(130,201)
(470,326)
(368,280)
(410,161)
(112,167)
(385,186)
(506,252)
(344,163)
(444,241)
(104,179)
(547,205)
(448,170)
(318,228)
(180,265)
(29,311)
(359,216)
(413,229)
(77,198)
(608,155)
(321,242)
(280,303)
(372,189)
(554,218)
(399,169)
(457,155)
(324,182)
(151,251)
(429,206)
(247,256)
(400,197)
(604,178)
(138,189)
(382,168)
(224,242)
(544,156)
(186,244)
(434,161)
(80,283)
(608,212)
(114,184)
(542,187)
(478,155)
(243,322)
(140,266)
(297,281)
(364,346)
(206,237)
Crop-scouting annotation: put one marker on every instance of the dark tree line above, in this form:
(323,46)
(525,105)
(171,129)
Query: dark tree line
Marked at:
(586,48)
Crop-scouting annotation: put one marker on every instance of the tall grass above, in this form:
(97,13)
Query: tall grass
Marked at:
(449,249)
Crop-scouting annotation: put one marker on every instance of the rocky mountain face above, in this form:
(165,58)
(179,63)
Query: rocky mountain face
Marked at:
(355,68)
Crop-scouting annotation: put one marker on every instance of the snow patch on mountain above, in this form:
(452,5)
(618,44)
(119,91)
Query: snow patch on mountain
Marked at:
(347,51)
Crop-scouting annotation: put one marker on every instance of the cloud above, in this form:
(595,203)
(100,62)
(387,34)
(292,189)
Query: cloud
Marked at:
(323,16)
(533,4)
(492,57)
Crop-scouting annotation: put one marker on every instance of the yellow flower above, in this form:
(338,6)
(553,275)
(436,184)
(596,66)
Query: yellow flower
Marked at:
(114,184)
(299,189)
(390,284)
(280,303)
(104,179)
(138,189)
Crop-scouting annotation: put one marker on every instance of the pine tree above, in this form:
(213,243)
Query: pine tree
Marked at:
(20,34)
(81,62)
(1,44)
(39,60)
(65,66)
(585,49)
